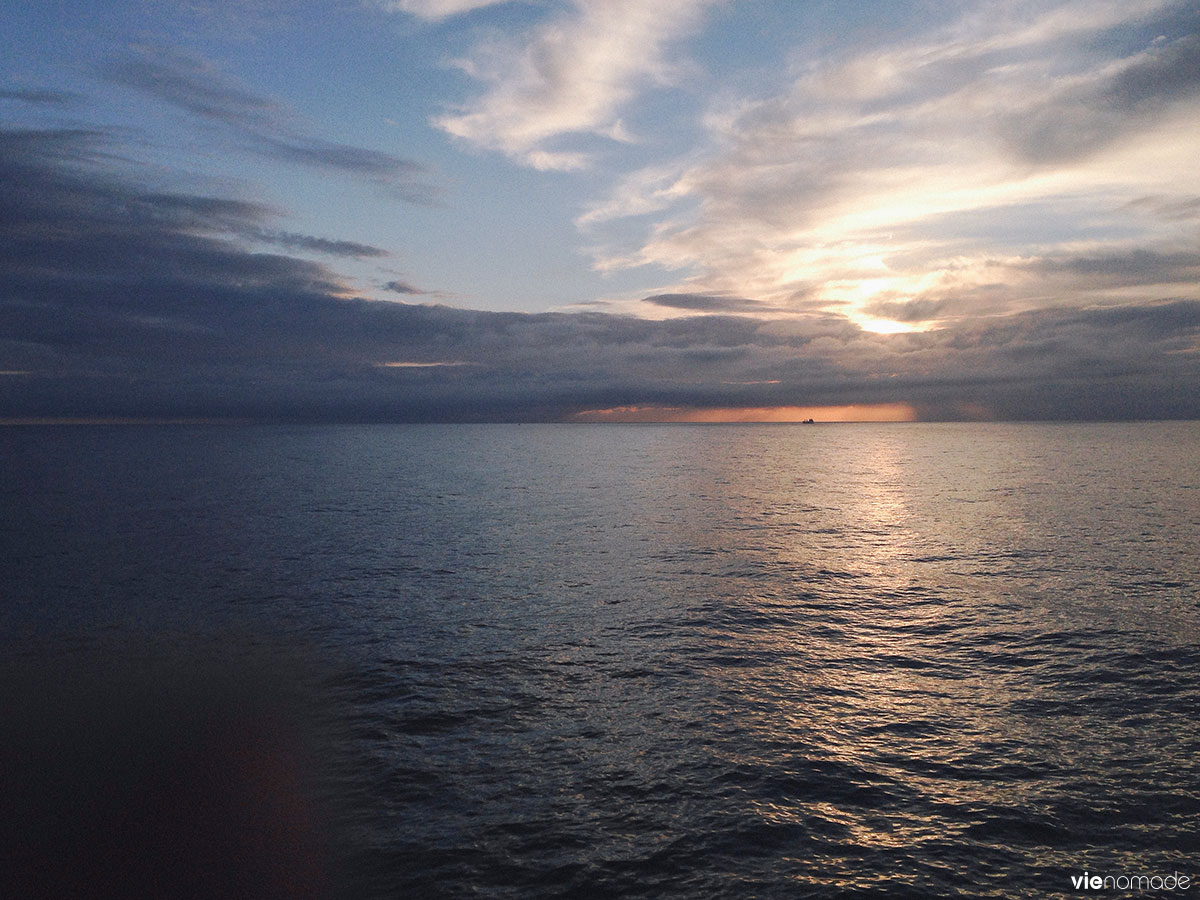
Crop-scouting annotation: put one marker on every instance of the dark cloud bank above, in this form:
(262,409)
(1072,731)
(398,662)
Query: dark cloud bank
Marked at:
(119,302)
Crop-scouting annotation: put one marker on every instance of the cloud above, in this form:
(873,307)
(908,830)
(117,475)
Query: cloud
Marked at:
(116,301)
(41,149)
(707,303)
(1110,104)
(1104,276)
(639,193)
(1170,208)
(39,97)
(924,309)
(73,230)
(915,179)
(197,86)
(403,287)
(194,84)
(326,154)
(570,75)
(292,241)
(435,10)
(1126,267)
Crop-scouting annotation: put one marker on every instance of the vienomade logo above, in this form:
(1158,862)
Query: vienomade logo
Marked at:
(1172,882)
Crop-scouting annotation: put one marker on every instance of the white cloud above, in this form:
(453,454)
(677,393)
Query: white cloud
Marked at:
(568,76)
(434,10)
(645,191)
(903,175)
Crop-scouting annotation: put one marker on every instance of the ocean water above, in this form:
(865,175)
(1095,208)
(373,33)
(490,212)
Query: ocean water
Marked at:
(644,661)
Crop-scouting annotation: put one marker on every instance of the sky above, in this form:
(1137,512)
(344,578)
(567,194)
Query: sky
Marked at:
(599,210)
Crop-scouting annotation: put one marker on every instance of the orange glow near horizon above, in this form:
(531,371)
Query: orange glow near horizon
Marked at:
(857,412)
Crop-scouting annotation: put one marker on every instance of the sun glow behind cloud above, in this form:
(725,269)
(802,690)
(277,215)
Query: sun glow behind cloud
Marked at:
(913,185)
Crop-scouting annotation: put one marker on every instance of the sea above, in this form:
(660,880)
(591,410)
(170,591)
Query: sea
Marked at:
(620,661)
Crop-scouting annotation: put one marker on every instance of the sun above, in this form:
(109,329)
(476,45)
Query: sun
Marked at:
(884,326)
